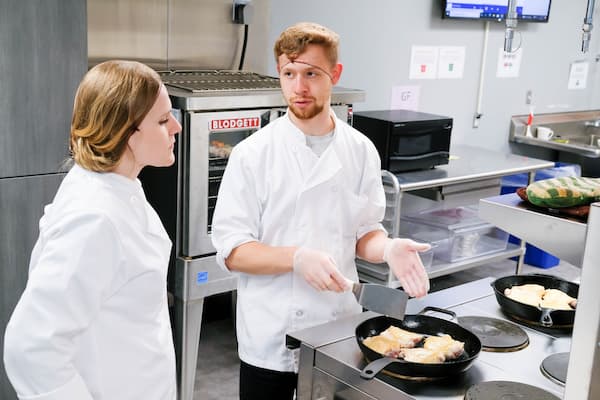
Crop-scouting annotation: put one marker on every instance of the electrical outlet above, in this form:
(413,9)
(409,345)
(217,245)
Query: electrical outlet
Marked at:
(529,97)
(242,12)
(476,119)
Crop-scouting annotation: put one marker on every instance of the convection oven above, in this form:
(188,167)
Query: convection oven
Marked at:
(217,110)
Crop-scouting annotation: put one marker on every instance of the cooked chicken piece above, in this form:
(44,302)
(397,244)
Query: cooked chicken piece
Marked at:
(532,287)
(402,337)
(422,355)
(558,300)
(450,348)
(529,294)
(382,345)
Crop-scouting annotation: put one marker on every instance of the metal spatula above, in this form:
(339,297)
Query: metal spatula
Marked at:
(380,299)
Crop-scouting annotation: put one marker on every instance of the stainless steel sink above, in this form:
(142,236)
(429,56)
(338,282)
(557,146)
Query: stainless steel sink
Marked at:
(587,140)
(574,132)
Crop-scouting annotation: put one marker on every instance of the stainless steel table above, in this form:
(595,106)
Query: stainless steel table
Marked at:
(577,242)
(330,360)
(472,173)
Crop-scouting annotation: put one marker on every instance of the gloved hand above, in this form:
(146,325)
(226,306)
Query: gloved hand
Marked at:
(402,255)
(318,269)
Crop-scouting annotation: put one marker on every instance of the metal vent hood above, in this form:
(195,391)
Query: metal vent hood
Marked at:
(175,34)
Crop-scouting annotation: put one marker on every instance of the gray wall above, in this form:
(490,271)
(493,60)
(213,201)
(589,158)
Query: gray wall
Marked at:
(376,40)
(42,59)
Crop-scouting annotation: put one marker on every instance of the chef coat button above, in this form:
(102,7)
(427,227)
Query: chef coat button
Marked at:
(334,188)
(133,199)
(299,313)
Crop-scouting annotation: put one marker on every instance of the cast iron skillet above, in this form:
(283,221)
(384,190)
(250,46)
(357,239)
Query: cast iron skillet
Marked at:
(546,317)
(421,324)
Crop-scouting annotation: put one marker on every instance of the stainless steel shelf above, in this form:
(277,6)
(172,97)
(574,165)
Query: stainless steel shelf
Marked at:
(378,273)
(466,177)
(562,236)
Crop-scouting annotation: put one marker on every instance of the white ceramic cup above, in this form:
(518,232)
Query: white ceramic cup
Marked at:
(544,133)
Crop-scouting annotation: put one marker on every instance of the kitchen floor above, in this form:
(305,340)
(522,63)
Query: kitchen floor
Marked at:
(218,363)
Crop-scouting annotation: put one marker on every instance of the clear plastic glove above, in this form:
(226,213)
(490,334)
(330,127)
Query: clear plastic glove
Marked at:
(402,255)
(318,269)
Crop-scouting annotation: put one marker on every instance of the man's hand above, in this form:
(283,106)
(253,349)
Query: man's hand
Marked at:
(402,255)
(318,269)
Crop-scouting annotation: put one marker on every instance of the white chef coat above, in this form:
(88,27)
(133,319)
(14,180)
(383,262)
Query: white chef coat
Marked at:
(93,321)
(275,190)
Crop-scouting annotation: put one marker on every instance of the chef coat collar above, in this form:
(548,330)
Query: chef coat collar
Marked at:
(300,136)
(117,181)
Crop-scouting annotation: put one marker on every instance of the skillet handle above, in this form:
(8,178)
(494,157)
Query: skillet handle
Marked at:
(546,318)
(452,314)
(375,367)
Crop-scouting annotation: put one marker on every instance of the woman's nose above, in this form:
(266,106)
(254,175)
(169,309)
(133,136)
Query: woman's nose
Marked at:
(176,128)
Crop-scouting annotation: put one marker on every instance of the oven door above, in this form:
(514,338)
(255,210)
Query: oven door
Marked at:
(208,140)
(418,146)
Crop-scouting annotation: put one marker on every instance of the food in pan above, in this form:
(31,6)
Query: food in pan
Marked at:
(449,348)
(399,343)
(392,340)
(557,299)
(422,355)
(383,345)
(538,296)
(403,337)
(219,149)
(530,293)
(564,192)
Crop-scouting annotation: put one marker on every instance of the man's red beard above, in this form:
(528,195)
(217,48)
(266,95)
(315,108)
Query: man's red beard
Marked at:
(306,113)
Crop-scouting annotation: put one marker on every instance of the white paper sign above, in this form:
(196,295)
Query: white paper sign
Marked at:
(423,62)
(578,75)
(509,63)
(405,98)
(451,62)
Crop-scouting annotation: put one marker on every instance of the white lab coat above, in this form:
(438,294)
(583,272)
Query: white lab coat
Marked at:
(277,191)
(93,321)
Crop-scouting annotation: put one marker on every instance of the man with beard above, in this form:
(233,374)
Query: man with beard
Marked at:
(299,200)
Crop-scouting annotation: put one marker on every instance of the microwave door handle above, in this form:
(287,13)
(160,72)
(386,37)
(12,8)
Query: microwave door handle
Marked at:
(419,157)
(420,131)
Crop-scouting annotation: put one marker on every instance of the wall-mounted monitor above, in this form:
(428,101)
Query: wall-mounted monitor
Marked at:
(527,10)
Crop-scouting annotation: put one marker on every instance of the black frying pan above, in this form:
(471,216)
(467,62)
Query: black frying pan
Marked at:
(419,323)
(546,317)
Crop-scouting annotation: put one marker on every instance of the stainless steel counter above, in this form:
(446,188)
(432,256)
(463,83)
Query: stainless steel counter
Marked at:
(564,235)
(331,361)
(576,242)
(470,164)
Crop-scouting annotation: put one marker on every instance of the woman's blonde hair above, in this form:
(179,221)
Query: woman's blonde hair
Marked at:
(293,41)
(112,100)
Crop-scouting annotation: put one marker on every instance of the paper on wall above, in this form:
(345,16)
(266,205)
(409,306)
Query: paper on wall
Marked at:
(578,74)
(423,62)
(405,98)
(509,63)
(451,62)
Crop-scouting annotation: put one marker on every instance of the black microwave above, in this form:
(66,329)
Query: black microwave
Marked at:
(406,140)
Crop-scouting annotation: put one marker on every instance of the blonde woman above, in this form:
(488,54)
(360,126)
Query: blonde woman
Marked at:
(93,321)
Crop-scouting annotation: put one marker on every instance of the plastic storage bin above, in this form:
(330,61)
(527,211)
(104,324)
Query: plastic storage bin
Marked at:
(535,256)
(457,233)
